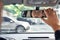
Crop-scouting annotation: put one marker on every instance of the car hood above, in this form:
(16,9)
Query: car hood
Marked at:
(25,24)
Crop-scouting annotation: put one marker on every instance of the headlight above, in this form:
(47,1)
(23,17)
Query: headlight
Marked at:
(28,28)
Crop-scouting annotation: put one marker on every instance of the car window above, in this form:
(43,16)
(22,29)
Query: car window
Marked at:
(5,19)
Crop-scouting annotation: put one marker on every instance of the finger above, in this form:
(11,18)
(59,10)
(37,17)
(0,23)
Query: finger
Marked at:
(51,12)
(45,20)
(54,12)
(46,13)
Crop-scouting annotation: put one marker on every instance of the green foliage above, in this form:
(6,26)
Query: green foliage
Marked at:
(17,9)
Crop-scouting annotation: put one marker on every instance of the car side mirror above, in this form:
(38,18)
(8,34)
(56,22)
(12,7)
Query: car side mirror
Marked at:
(11,21)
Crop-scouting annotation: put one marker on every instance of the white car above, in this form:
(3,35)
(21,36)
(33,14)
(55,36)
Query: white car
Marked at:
(11,24)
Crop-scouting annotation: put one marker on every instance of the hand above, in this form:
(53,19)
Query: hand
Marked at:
(52,19)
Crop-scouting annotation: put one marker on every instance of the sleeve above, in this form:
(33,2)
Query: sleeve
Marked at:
(57,35)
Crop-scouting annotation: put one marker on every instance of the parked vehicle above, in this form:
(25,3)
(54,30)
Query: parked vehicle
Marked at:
(9,23)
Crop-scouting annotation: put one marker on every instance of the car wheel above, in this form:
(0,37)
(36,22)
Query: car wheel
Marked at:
(20,29)
(2,38)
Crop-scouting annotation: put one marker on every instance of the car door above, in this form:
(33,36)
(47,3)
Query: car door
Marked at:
(7,24)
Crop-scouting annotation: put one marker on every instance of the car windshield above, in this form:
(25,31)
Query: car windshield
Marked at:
(16,11)
(6,19)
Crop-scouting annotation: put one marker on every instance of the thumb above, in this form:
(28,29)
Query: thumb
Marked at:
(44,19)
